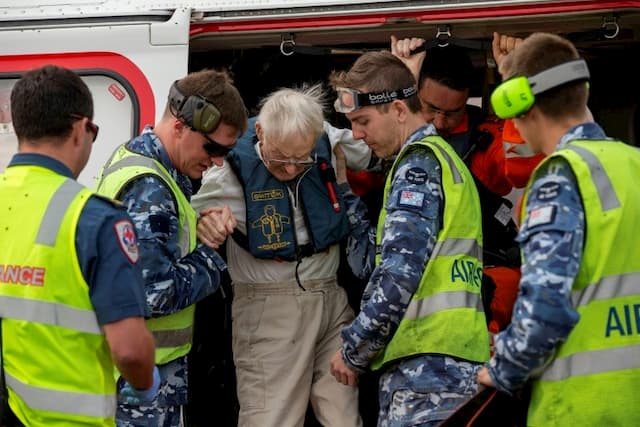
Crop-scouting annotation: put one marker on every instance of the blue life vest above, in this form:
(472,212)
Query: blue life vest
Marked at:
(269,214)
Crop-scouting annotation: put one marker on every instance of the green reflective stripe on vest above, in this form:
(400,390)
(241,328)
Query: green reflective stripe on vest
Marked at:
(57,361)
(49,313)
(55,212)
(590,378)
(445,315)
(593,362)
(64,402)
(173,333)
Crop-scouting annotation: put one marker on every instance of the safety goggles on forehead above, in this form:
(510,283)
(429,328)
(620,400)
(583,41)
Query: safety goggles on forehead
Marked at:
(350,100)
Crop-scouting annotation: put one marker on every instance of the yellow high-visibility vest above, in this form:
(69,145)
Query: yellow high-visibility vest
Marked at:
(173,333)
(594,376)
(57,362)
(445,315)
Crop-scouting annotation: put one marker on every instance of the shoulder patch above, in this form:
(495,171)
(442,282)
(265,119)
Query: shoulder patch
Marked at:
(548,191)
(411,199)
(541,216)
(127,239)
(416,176)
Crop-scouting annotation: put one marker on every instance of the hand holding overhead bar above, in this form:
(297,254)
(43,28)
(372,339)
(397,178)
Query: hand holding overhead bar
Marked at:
(410,51)
(443,38)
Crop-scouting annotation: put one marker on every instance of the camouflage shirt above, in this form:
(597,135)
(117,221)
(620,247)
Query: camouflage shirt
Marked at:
(552,240)
(410,234)
(172,282)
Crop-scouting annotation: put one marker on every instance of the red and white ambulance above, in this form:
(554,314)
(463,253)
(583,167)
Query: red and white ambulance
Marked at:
(130,51)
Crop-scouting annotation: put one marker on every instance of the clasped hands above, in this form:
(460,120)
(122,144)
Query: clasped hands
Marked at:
(214,225)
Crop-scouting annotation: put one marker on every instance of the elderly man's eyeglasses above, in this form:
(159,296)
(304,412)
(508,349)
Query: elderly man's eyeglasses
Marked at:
(91,127)
(279,161)
(214,148)
(350,100)
(298,163)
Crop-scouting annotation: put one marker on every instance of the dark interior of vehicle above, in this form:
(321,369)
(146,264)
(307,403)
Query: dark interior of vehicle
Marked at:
(264,61)
(261,62)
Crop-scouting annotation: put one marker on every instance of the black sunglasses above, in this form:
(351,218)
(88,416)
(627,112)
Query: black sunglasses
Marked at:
(91,127)
(215,149)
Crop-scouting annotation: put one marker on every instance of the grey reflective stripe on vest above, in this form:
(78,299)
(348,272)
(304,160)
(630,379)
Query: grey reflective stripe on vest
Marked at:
(65,402)
(56,209)
(453,247)
(448,300)
(606,193)
(140,160)
(623,285)
(49,313)
(173,337)
(418,309)
(516,150)
(457,177)
(593,362)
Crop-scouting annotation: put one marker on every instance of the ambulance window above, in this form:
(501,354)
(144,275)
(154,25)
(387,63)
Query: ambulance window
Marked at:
(113,112)
(8,141)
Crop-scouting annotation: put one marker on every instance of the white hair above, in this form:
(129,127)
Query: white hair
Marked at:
(290,112)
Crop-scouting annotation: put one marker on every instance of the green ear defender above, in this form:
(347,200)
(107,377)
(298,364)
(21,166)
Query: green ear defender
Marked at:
(198,112)
(516,96)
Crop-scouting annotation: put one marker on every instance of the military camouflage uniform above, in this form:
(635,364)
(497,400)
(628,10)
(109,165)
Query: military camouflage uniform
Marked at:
(421,390)
(171,282)
(544,315)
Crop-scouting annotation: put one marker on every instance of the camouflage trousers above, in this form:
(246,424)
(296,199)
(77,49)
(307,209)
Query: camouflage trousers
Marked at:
(149,416)
(167,408)
(408,397)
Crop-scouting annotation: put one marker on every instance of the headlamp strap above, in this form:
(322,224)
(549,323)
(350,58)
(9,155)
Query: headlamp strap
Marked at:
(377,98)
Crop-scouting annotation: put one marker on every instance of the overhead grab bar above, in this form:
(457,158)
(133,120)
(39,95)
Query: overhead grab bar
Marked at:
(610,27)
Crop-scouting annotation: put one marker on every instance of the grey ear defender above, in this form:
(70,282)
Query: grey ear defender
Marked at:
(516,95)
(198,112)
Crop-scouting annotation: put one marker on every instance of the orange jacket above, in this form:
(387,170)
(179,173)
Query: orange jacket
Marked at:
(488,164)
(486,161)
(365,182)
(506,281)
(507,162)
(520,161)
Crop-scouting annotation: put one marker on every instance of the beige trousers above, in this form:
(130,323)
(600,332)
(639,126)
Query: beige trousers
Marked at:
(283,340)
